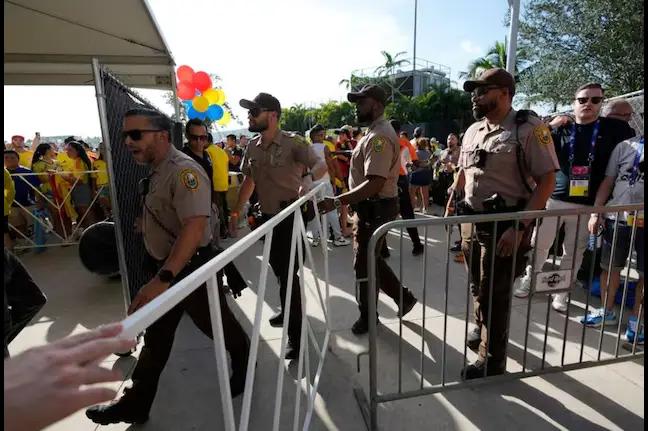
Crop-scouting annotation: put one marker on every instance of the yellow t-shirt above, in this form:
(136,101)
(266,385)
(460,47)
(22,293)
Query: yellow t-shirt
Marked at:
(26,158)
(9,192)
(65,161)
(220,167)
(78,167)
(101,177)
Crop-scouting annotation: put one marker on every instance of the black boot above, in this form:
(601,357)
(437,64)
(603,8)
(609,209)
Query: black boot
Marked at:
(476,370)
(276,321)
(126,409)
(474,338)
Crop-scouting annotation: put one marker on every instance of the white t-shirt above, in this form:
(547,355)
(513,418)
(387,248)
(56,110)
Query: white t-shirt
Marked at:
(621,166)
(319,150)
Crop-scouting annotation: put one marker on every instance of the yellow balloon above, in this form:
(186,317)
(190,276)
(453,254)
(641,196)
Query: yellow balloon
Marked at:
(200,103)
(211,95)
(225,119)
(220,96)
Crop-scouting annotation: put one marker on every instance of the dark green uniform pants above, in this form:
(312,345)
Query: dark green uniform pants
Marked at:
(479,265)
(372,215)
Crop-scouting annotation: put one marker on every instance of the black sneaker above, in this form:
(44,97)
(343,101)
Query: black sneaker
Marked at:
(292,353)
(118,411)
(384,253)
(418,249)
(276,321)
(456,248)
(237,384)
(474,338)
(476,370)
(408,303)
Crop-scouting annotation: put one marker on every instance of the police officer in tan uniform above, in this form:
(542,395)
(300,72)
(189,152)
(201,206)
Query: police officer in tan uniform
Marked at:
(177,237)
(374,196)
(507,163)
(274,162)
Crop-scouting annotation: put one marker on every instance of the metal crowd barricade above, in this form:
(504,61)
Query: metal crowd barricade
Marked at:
(147,315)
(58,203)
(378,395)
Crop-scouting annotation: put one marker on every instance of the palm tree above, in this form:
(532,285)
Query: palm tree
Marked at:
(391,63)
(495,57)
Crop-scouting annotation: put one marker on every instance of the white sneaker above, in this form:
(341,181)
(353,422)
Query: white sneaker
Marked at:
(341,241)
(559,302)
(522,286)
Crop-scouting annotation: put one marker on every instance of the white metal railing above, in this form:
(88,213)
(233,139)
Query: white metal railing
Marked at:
(151,312)
(65,237)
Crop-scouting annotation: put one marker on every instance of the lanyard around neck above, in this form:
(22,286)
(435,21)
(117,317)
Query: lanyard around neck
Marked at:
(572,144)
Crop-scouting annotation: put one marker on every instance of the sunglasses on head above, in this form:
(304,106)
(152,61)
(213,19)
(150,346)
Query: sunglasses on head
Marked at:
(197,137)
(255,112)
(137,134)
(595,100)
(480,91)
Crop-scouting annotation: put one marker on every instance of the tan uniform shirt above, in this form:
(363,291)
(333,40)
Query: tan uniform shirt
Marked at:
(277,167)
(178,189)
(500,173)
(377,153)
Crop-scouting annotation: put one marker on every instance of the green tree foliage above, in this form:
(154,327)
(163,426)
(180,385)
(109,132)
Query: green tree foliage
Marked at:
(569,43)
(445,107)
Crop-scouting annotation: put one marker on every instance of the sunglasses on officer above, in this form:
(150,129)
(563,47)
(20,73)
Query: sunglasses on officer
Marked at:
(595,100)
(137,134)
(480,91)
(197,137)
(255,112)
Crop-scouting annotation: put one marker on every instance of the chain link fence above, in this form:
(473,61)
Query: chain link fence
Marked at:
(126,175)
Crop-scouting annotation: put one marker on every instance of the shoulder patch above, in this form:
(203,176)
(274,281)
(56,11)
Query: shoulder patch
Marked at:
(189,178)
(542,134)
(378,143)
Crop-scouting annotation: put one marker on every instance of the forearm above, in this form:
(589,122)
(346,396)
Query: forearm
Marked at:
(544,188)
(247,188)
(604,191)
(367,189)
(186,244)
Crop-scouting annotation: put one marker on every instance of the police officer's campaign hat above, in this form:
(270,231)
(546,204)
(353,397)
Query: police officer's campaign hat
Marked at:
(373,91)
(264,101)
(496,77)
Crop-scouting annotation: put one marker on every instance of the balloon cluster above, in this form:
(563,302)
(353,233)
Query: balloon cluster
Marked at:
(200,99)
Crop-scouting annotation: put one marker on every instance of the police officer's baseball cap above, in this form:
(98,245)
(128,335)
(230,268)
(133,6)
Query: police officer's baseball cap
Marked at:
(496,77)
(263,101)
(373,91)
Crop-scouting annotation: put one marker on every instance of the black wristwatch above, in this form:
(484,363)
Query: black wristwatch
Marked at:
(165,276)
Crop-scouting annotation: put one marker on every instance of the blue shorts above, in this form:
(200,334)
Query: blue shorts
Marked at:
(622,247)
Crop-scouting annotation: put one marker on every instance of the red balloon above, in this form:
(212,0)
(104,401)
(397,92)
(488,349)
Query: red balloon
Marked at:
(185,91)
(202,81)
(185,73)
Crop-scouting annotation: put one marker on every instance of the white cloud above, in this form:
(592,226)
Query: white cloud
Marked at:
(470,47)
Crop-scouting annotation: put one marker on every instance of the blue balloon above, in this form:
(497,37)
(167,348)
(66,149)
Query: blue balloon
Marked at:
(187,104)
(215,112)
(202,115)
(192,113)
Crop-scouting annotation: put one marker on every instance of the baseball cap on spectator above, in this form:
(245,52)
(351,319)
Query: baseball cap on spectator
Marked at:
(316,128)
(264,101)
(496,77)
(373,91)
(345,128)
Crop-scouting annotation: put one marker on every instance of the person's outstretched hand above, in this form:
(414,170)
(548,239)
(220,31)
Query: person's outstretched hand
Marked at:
(46,384)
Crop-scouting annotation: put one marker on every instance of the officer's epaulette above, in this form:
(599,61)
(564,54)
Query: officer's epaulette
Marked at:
(296,136)
(522,116)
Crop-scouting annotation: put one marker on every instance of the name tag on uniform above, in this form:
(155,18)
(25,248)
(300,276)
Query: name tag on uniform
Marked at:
(579,178)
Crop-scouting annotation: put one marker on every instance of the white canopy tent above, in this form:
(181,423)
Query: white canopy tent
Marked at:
(54,42)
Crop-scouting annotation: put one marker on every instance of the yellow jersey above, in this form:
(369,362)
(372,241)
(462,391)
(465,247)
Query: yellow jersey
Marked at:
(101,177)
(9,192)
(220,167)
(26,158)
(65,162)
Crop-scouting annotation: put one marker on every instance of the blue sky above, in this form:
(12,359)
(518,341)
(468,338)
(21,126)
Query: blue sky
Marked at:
(298,50)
